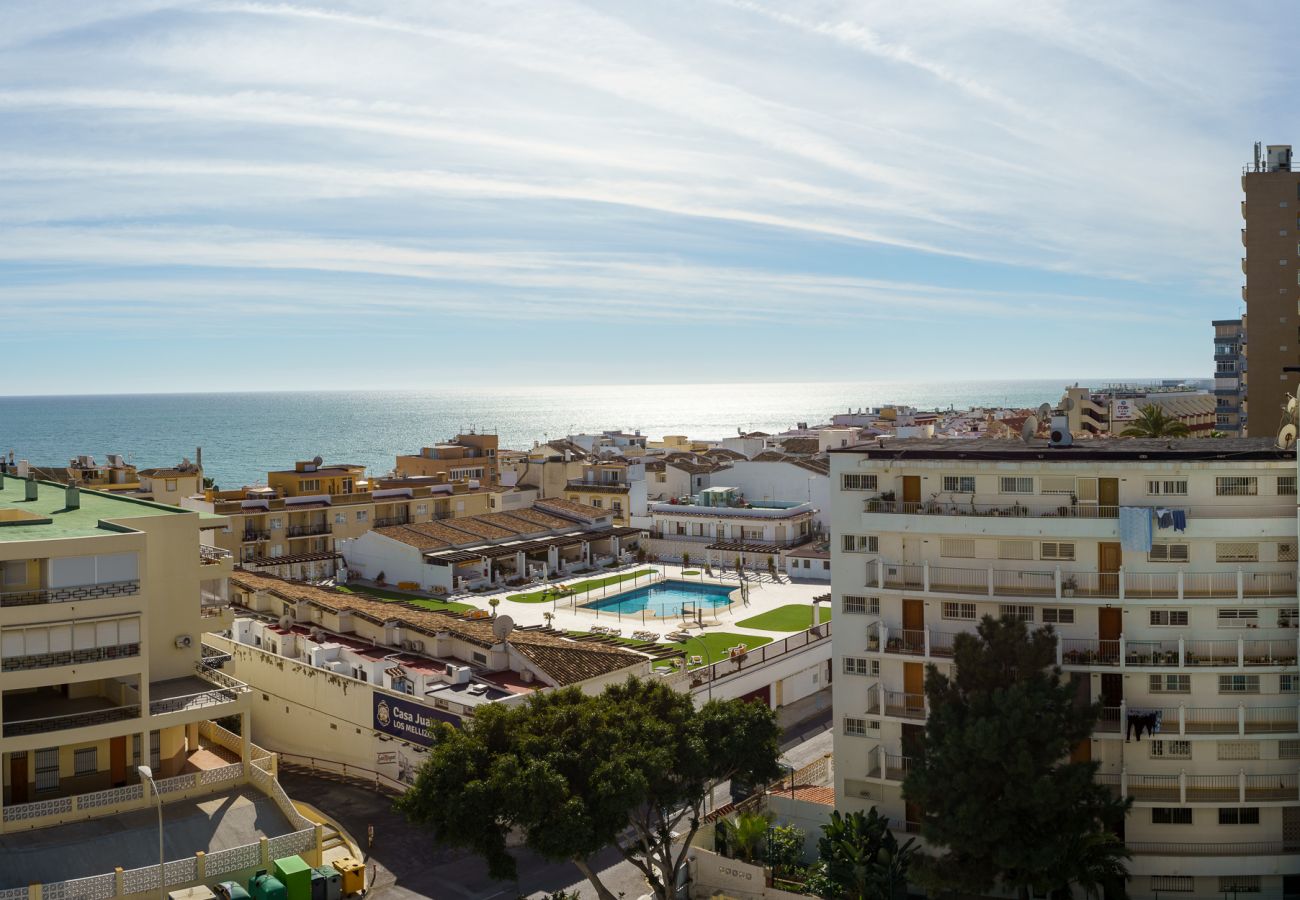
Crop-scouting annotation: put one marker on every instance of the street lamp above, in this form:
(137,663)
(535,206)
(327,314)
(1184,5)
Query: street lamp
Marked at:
(146,774)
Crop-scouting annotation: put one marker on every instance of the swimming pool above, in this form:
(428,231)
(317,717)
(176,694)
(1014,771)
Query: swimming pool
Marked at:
(665,598)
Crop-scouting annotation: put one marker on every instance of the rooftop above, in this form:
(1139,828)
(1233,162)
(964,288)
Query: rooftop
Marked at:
(47,517)
(1106,450)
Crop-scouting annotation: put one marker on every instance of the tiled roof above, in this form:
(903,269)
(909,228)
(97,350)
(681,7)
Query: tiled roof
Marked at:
(800,445)
(570,510)
(563,660)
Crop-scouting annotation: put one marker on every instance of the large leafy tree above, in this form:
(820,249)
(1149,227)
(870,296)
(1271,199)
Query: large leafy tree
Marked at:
(860,858)
(1001,799)
(574,774)
(1154,422)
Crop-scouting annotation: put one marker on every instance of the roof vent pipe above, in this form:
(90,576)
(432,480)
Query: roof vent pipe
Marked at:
(31,488)
(72,497)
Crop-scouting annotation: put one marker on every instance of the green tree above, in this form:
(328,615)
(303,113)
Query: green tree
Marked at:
(494,602)
(686,561)
(1000,797)
(1154,422)
(785,848)
(743,834)
(859,857)
(574,774)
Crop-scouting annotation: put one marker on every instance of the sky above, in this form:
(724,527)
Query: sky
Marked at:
(208,196)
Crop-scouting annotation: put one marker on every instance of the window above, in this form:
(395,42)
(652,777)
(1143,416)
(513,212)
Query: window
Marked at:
(362,515)
(960,548)
(616,505)
(1172,883)
(1015,549)
(1236,552)
(1239,884)
(85,761)
(860,543)
(1286,485)
(1172,617)
(1020,613)
(959,484)
(963,611)
(1171,815)
(421,509)
(480,658)
(170,484)
(1238,750)
(1288,749)
(1058,616)
(1238,618)
(596,502)
(1238,684)
(856,605)
(309,484)
(1056,550)
(275,523)
(856,665)
(1236,486)
(1238,815)
(855,727)
(1175,553)
(1286,551)
(853,481)
(1171,749)
(1171,684)
(340,518)
(1288,684)
(1056,484)
(47,769)
(15,573)
(1176,487)
(1014,484)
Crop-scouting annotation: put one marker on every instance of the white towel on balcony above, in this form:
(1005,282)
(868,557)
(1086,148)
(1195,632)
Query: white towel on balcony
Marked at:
(1135,528)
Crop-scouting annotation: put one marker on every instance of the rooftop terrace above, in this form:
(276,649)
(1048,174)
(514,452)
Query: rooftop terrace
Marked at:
(47,517)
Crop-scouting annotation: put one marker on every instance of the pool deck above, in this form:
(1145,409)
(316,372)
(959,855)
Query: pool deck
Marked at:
(764,595)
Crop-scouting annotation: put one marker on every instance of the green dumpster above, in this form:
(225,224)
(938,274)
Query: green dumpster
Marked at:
(295,875)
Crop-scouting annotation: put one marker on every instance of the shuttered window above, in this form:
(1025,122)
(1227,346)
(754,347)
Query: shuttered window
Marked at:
(1236,486)
(1171,617)
(1056,484)
(1056,550)
(1015,484)
(1238,749)
(959,548)
(1015,549)
(962,611)
(1236,552)
(1058,616)
(1175,553)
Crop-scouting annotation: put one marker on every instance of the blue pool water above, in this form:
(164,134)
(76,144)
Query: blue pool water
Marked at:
(665,598)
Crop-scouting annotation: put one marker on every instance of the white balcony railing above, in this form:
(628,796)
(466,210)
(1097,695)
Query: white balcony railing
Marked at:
(1182,788)
(1065,509)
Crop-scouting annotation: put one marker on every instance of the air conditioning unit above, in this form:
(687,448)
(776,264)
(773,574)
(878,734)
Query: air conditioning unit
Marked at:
(1060,435)
(406,645)
(417,646)
(183,641)
(526,676)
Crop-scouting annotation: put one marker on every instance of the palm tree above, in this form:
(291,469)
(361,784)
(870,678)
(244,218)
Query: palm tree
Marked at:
(494,603)
(1097,867)
(744,834)
(686,562)
(549,617)
(1154,422)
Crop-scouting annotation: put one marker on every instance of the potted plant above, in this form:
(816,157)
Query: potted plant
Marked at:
(1069,585)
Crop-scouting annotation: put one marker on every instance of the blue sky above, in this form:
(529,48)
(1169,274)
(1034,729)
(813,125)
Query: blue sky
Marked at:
(243,196)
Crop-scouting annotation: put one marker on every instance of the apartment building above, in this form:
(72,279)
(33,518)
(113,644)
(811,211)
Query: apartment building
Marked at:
(1229,372)
(101,613)
(719,525)
(1271,238)
(617,485)
(467,457)
(1168,570)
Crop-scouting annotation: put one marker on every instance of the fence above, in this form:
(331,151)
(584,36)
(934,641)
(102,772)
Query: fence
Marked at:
(359,773)
(732,665)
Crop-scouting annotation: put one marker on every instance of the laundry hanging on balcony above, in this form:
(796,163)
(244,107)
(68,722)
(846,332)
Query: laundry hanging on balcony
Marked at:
(1135,528)
(1140,720)
(1180,520)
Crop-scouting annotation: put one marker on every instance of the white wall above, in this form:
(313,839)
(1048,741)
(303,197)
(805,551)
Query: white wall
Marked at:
(782,481)
(373,553)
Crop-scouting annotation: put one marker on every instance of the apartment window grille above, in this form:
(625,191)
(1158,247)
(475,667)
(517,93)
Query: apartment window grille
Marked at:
(1238,815)
(1234,617)
(1225,367)
(135,749)
(85,761)
(1286,551)
(1288,749)
(1238,684)
(1015,549)
(1015,611)
(1061,550)
(860,543)
(856,665)
(480,658)
(1171,749)
(957,548)
(1056,484)
(1239,884)
(962,611)
(1178,884)
(1170,617)
(1175,553)
(1176,487)
(47,769)
(855,481)
(1228,750)
(959,484)
(855,727)
(1288,684)
(855,605)
(1236,486)
(154,753)
(1171,815)
(1057,616)
(1015,484)
(1236,552)
(1171,684)
(1286,485)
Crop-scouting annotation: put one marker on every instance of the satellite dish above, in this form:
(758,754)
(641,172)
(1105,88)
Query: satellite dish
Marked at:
(1029,429)
(1067,404)
(1286,437)
(316,461)
(1045,411)
(286,622)
(502,626)
(1290,408)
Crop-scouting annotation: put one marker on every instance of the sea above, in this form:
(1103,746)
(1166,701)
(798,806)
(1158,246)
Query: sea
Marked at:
(245,434)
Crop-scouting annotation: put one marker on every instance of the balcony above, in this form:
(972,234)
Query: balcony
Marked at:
(213,556)
(386,521)
(69,657)
(297,531)
(1182,720)
(1252,848)
(252,535)
(1234,584)
(1066,509)
(207,689)
(1183,788)
(25,714)
(885,766)
(70,594)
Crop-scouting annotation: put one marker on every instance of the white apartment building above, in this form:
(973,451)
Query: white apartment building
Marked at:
(1193,624)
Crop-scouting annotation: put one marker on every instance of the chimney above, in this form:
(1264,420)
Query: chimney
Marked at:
(72,497)
(31,489)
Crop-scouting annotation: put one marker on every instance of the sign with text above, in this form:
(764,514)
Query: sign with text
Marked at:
(408,720)
(1123,411)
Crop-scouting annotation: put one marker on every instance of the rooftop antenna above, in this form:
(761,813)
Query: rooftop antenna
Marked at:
(1257,149)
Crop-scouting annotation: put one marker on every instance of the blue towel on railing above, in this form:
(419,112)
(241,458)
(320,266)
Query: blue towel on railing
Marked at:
(1180,520)
(1135,528)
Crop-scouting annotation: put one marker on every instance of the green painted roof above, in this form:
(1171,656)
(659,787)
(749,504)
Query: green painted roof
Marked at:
(57,521)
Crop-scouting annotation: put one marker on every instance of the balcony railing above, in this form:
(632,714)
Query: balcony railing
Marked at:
(71,720)
(69,657)
(1183,788)
(1240,720)
(70,594)
(294,531)
(1252,848)
(1057,583)
(747,541)
(211,556)
(392,520)
(903,705)
(887,766)
(1064,509)
(256,534)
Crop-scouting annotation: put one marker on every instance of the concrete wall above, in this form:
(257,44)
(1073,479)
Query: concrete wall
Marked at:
(782,481)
